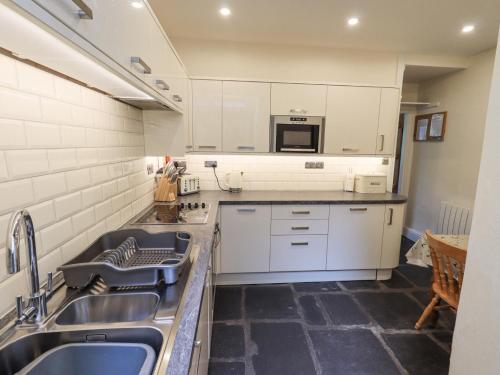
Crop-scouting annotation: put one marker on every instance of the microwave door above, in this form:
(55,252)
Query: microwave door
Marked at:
(296,138)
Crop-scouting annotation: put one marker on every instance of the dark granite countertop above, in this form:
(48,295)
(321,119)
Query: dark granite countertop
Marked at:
(188,312)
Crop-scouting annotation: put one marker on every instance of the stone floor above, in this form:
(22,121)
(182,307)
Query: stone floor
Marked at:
(358,327)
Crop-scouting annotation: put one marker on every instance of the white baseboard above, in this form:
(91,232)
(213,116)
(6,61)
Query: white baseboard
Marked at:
(412,234)
(294,277)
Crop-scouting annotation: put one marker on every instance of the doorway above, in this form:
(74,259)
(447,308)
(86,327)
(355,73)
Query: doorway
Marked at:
(396,183)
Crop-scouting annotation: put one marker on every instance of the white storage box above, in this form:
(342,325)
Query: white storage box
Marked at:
(370,183)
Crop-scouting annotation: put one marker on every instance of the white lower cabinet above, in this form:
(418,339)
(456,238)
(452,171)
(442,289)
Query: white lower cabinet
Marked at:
(391,240)
(355,237)
(245,238)
(298,253)
(294,227)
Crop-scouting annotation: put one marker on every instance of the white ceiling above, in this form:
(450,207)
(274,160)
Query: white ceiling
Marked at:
(414,26)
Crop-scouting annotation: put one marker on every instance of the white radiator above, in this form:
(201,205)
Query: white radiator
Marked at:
(454,219)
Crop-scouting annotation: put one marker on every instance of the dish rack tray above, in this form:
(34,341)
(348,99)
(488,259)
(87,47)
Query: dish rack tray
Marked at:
(130,258)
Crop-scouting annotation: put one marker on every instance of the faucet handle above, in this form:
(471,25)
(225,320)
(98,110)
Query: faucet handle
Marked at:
(49,283)
(19,307)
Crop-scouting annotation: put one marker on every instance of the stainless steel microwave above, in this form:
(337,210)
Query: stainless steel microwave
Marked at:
(299,134)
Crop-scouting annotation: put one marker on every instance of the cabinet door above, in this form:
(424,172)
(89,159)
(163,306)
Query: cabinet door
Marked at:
(246,116)
(298,99)
(391,241)
(246,238)
(351,120)
(201,348)
(355,237)
(207,115)
(388,121)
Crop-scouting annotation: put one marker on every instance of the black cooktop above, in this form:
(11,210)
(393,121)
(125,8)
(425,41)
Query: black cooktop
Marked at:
(180,213)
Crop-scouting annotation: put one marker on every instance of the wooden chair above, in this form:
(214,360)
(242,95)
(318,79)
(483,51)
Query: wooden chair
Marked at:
(448,273)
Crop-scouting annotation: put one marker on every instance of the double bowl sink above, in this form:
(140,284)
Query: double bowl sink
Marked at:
(98,330)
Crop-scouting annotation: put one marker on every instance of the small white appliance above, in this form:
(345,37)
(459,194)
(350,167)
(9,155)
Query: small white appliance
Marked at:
(234,181)
(374,183)
(188,184)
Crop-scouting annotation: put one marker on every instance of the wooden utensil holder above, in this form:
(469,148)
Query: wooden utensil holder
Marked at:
(166,191)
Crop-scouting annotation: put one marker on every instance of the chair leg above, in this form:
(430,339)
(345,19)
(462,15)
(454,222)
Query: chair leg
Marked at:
(428,310)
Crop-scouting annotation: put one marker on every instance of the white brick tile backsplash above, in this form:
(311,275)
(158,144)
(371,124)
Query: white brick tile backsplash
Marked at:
(60,150)
(56,234)
(68,205)
(19,105)
(91,196)
(8,74)
(27,162)
(49,186)
(12,134)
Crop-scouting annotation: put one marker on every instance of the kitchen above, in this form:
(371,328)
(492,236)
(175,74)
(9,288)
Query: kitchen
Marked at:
(195,193)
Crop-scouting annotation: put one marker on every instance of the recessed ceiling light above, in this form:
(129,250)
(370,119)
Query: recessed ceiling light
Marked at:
(468,29)
(225,11)
(137,4)
(353,21)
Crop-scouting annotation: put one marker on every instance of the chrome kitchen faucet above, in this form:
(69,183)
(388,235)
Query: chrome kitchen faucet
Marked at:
(36,307)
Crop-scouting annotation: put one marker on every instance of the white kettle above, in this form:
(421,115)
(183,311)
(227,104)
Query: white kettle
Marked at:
(234,181)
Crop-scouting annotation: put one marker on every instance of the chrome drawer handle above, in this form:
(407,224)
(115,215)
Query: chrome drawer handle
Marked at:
(347,149)
(138,60)
(246,210)
(300,228)
(375,183)
(299,243)
(177,98)
(358,209)
(298,110)
(246,148)
(85,11)
(211,147)
(189,147)
(162,84)
(301,212)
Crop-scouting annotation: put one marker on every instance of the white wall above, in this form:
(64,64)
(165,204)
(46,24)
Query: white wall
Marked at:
(287,63)
(73,157)
(476,342)
(278,172)
(447,171)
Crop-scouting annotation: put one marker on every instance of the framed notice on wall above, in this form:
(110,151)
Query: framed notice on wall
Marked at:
(430,127)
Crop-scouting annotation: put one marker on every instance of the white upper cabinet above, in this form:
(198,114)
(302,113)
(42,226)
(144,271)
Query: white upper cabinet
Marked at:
(298,99)
(245,116)
(207,115)
(388,121)
(351,120)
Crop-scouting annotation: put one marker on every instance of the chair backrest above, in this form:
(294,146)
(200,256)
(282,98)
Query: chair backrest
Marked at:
(448,264)
(453,219)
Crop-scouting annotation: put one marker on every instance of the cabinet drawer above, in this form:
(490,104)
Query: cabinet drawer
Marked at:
(298,253)
(287,212)
(294,227)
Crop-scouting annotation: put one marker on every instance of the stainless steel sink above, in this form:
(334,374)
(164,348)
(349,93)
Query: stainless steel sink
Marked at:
(20,353)
(109,308)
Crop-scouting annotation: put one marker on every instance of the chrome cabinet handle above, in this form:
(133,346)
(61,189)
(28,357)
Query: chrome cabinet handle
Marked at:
(298,110)
(301,212)
(382,141)
(347,149)
(85,11)
(139,61)
(177,98)
(211,147)
(358,209)
(246,148)
(299,243)
(300,228)
(189,147)
(246,210)
(162,84)
(391,214)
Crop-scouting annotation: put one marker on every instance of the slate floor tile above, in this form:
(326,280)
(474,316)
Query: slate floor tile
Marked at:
(228,341)
(418,354)
(327,286)
(422,296)
(226,368)
(311,311)
(397,281)
(343,310)
(356,352)
(444,338)
(270,302)
(419,276)
(391,310)
(361,284)
(228,303)
(281,349)
(406,245)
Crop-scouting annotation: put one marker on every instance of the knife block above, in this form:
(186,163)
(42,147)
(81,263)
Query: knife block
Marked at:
(166,191)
